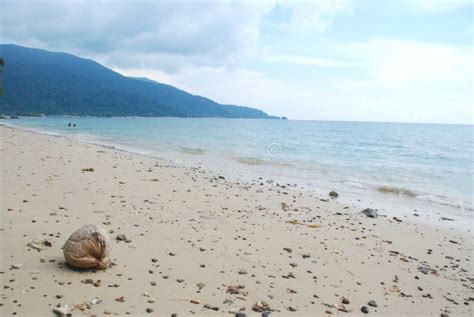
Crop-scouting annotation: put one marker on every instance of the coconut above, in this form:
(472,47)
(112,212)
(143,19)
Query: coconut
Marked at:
(88,248)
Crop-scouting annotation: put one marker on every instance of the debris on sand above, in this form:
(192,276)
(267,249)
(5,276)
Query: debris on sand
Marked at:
(371,213)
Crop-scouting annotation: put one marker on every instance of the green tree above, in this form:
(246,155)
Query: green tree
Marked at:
(2,63)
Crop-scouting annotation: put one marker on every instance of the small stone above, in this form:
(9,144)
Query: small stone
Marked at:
(243,272)
(154,260)
(372,303)
(371,213)
(364,309)
(291,308)
(345,301)
(149,310)
(333,194)
(153,283)
(123,237)
(240,314)
(289,250)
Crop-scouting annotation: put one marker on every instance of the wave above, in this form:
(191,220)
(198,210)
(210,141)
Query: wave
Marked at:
(251,161)
(397,191)
(426,197)
(190,150)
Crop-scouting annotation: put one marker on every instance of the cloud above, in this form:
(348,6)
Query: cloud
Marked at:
(309,61)
(210,32)
(439,5)
(311,15)
(413,62)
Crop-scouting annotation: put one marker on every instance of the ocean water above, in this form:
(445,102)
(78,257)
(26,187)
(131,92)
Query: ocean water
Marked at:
(427,163)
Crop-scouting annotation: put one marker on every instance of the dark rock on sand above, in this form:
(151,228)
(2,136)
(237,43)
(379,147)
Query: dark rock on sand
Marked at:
(372,303)
(333,194)
(364,309)
(371,213)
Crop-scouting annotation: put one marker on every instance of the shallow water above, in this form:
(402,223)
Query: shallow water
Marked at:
(425,162)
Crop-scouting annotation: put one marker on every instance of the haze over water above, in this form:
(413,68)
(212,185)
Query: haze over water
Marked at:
(425,162)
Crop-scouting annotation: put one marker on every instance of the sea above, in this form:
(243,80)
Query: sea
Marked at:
(429,166)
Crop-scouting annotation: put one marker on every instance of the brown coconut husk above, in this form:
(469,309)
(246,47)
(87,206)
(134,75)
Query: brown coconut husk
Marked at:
(88,248)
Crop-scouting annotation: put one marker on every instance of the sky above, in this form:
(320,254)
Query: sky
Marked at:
(368,60)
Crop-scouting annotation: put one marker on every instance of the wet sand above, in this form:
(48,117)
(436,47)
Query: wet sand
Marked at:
(203,244)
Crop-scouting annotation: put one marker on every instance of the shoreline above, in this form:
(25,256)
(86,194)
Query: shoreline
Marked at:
(296,250)
(361,198)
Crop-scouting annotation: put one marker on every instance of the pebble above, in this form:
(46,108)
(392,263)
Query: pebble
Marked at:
(240,314)
(364,309)
(372,303)
(371,213)
(243,271)
(333,194)
(149,310)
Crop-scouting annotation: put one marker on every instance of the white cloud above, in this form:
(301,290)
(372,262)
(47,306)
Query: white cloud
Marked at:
(413,62)
(439,5)
(313,15)
(309,61)
(211,32)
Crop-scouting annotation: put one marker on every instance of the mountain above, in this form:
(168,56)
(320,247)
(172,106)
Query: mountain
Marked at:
(41,82)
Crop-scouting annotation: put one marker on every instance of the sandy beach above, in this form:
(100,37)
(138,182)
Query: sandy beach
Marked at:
(203,244)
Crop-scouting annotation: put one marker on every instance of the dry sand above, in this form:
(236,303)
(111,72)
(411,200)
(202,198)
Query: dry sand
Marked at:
(205,234)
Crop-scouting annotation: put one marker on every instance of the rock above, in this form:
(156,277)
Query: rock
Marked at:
(123,237)
(266,314)
(62,310)
(16,266)
(88,169)
(444,315)
(291,308)
(240,314)
(260,307)
(95,301)
(243,272)
(288,250)
(333,194)
(364,309)
(345,301)
(371,213)
(154,260)
(372,303)
(446,219)
(149,310)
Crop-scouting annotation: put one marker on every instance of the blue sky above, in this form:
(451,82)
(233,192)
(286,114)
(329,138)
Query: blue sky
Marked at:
(408,61)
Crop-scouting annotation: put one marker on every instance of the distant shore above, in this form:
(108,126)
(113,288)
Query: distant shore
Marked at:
(204,244)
